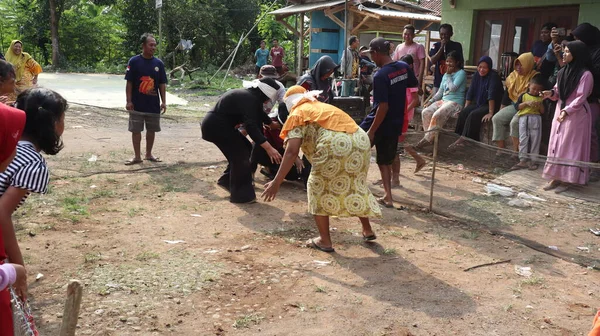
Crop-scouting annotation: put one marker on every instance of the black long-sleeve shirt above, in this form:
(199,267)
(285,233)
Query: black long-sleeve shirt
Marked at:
(240,106)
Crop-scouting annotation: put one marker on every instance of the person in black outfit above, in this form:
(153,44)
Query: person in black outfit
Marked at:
(482,101)
(241,106)
(319,78)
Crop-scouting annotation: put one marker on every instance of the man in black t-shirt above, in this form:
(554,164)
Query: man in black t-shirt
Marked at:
(384,123)
(146,79)
(437,55)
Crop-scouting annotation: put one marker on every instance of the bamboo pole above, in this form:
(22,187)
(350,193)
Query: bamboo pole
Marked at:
(72,305)
(435,154)
(232,59)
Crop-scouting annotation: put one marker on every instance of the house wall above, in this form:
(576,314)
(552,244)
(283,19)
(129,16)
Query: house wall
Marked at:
(463,17)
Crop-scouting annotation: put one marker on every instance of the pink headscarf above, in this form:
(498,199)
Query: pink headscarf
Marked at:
(12,122)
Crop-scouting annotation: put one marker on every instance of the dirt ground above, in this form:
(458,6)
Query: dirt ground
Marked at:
(160,250)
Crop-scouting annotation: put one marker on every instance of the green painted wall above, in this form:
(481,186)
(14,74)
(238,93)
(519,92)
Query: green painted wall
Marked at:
(463,17)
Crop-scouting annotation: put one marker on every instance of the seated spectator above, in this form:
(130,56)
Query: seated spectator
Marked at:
(516,84)
(449,99)
(483,100)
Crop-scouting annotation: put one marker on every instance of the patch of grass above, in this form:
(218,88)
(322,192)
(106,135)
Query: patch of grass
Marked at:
(320,289)
(247,320)
(91,257)
(471,235)
(389,251)
(145,256)
(104,193)
(508,308)
(533,281)
(216,234)
(75,207)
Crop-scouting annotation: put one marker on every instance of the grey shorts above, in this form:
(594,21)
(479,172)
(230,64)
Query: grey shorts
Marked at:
(137,121)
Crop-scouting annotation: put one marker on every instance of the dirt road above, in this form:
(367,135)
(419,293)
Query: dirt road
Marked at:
(160,250)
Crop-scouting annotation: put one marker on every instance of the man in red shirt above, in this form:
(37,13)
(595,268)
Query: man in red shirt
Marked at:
(277,54)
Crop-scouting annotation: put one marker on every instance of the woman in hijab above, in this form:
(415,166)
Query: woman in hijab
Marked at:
(26,68)
(241,106)
(516,84)
(571,133)
(590,35)
(319,78)
(340,153)
(483,100)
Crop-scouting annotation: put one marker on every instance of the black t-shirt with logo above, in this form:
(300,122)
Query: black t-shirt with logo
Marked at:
(146,74)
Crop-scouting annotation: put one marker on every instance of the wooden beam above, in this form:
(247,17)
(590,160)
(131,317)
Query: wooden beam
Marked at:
(355,10)
(337,9)
(353,32)
(289,27)
(307,32)
(333,18)
(424,28)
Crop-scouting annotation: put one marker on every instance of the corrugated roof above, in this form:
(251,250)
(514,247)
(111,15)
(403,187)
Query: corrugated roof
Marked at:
(403,15)
(408,4)
(434,5)
(308,7)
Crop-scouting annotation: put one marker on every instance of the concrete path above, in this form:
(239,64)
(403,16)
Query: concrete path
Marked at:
(93,89)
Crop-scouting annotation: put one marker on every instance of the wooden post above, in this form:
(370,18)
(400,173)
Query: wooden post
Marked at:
(435,154)
(72,305)
(300,45)
(425,66)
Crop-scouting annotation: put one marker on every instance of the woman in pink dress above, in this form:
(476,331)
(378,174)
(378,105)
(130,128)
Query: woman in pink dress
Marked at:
(571,133)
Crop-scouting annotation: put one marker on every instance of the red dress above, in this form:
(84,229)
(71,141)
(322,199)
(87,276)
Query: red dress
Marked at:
(6,321)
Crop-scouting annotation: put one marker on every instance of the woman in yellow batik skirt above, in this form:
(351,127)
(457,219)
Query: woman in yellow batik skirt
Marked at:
(340,154)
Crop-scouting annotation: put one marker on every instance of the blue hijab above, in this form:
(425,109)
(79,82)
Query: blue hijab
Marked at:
(485,88)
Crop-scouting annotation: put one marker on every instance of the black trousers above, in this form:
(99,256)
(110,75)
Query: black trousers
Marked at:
(469,121)
(260,156)
(237,177)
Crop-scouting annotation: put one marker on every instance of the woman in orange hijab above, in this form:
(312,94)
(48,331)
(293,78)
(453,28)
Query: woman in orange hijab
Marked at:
(339,152)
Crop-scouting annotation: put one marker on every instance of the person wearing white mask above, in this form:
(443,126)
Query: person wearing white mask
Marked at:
(241,106)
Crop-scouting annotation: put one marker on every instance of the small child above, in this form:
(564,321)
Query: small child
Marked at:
(530,108)
(28,172)
(412,100)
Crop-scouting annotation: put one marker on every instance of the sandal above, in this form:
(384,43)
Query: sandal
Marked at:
(562,188)
(533,166)
(153,159)
(518,166)
(132,162)
(551,185)
(420,166)
(369,238)
(381,201)
(311,243)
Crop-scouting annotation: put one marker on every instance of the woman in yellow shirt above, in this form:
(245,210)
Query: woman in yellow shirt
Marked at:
(26,68)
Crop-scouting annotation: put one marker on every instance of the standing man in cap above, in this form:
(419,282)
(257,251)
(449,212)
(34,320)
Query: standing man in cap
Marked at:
(384,123)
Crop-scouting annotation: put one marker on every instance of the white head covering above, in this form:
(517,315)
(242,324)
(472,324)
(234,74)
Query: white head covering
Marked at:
(293,99)
(267,89)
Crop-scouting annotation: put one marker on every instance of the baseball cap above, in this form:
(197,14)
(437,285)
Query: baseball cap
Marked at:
(268,71)
(380,45)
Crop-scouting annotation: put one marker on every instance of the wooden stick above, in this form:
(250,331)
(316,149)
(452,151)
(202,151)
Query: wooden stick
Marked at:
(71,312)
(487,264)
(435,153)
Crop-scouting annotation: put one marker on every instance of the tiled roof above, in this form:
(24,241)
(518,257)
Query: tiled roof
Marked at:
(434,5)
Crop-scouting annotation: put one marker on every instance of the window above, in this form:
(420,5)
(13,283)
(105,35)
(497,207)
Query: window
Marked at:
(516,30)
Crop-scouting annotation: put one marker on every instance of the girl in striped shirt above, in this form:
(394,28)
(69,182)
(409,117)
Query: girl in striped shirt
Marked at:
(28,172)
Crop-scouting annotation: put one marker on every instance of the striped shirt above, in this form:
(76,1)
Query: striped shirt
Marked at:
(28,171)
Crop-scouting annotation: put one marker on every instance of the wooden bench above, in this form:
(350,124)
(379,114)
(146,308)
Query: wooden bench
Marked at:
(485,132)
